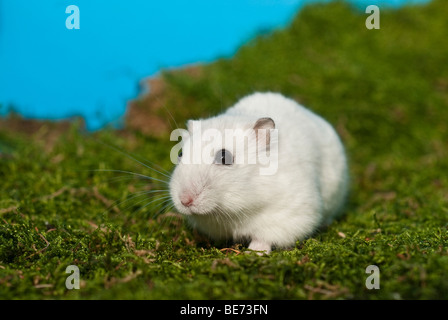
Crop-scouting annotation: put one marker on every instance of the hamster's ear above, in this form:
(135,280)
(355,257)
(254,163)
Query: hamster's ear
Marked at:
(262,129)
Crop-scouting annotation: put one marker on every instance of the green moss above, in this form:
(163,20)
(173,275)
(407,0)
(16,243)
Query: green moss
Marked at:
(385,91)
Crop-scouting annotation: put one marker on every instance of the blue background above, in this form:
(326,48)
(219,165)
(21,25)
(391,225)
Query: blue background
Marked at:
(50,72)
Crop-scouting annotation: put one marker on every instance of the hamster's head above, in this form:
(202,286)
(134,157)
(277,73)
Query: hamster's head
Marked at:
(217,169)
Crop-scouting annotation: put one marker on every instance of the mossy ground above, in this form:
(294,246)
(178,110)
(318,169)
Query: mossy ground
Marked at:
(386,93)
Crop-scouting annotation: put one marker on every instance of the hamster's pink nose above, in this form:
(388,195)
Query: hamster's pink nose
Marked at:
(186,199)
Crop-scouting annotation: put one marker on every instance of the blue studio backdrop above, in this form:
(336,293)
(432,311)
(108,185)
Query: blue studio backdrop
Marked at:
(53,68)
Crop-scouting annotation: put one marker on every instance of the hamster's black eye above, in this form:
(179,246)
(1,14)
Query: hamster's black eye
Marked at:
(224,157)
(179,155)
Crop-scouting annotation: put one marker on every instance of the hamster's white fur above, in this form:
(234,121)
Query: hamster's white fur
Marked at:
(236,202)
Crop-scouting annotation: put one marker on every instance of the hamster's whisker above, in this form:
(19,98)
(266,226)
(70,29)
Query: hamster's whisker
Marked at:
(123,178)
(150,202)
(222,222)
(147,204)
(147,186)
(132,173)
(166,174)
(142,181)
(167,205)
(226,216)
(134,195)
(165,200)
(171,116)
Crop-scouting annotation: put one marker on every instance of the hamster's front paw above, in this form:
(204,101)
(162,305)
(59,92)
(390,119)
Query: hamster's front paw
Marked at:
(260,246)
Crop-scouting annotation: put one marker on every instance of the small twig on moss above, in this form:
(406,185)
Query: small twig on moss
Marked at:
(6,210)
(108,283)
(327,290)
(227,250)
(51,196)
(44,286)
(41,250)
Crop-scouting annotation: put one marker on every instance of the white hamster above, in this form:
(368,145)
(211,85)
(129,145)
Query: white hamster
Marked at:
(226,196)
